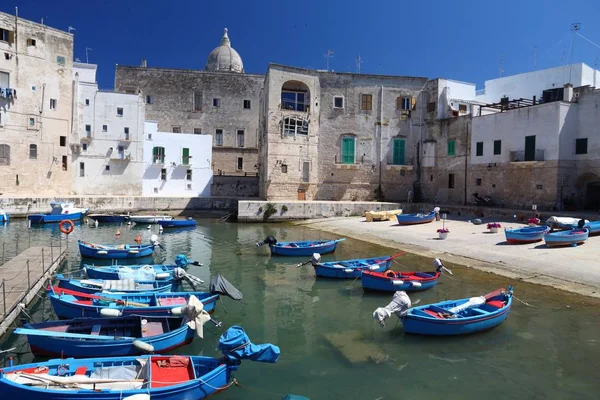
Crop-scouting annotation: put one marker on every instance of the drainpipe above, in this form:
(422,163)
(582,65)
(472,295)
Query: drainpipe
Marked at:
(380,149)
(467,147)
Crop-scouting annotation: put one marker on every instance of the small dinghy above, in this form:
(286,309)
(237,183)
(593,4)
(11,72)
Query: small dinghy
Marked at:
(451,317)
(566,238)
(120,285)
(135,377)
(392,281)
(414,219)
(349,268)
(297,249)
(526,234)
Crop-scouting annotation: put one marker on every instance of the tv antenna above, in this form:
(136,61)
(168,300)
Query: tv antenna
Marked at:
(86,55)
(358,63)
(327,55)
(575,27)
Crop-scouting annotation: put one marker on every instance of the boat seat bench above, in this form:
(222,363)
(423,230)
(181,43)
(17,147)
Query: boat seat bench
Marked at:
(96,330)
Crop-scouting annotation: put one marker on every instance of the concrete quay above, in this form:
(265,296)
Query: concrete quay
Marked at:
(574,269)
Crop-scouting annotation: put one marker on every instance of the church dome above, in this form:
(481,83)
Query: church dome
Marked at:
(224,58)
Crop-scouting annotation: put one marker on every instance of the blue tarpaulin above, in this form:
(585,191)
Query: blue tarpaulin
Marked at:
(236,345)
(181,261)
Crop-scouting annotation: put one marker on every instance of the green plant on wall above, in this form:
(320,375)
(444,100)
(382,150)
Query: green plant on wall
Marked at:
(284,208)
(269,210)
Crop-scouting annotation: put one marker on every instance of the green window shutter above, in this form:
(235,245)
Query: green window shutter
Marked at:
(348,150)
(451,147)
(399,151)
(185,156)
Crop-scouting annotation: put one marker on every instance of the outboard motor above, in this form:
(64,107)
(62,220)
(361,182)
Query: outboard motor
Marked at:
(181,261)
(400,305)
(270,240)
(440,267)
(315,259)
(179,274)
(154,241)
(581,223)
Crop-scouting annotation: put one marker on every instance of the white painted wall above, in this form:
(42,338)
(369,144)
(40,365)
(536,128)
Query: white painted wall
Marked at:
(176,183)
(112,160)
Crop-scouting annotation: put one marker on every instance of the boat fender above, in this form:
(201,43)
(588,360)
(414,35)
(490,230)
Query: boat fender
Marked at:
(140,396)
(397,282)
(110,312)
(147,347)
(373,267)
(163,275)
(415,284)
(176,310)
(348,270)
(133,251)
(390,274)
(102,252)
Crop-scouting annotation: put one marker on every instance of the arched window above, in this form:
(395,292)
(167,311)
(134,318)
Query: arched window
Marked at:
(4,154)
(33,151)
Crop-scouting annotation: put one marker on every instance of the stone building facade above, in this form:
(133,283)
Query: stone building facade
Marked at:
(107,140)
(221,101)
(36,106)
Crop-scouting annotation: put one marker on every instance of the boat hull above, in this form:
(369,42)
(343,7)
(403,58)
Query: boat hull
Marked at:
(593,227)
(351,269)
(76,285)
(525,235)
(381,282)
(303,249)
(53,218)
(109,273)
(415,219)
(4,218)
(149,219)
(130,251)
(566,238)
(108,218)
(177,223)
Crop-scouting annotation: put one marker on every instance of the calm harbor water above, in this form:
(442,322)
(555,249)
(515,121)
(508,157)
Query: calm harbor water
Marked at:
(330,346)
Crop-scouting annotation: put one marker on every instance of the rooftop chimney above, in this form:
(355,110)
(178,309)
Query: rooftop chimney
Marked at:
(568,93)
(144,63)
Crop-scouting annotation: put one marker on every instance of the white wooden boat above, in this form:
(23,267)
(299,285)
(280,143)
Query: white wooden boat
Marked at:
(149,219)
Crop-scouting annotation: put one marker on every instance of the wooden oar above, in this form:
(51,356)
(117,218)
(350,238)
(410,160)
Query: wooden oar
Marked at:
(41,332)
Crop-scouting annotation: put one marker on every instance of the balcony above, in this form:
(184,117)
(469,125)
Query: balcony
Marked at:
(87,137)
(158,160)
(125,138)
(394,165)
(120,156)
(519,156)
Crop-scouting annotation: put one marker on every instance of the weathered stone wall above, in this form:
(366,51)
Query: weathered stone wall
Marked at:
(234,186)
(39,73)
(172,105)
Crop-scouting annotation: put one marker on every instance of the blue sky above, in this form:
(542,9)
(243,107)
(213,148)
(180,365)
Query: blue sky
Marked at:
(463,40)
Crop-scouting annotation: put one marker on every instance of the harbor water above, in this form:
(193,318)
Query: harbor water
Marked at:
(331,348)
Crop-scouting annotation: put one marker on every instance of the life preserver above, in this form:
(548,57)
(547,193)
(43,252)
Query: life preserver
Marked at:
(68,228)
(390,274)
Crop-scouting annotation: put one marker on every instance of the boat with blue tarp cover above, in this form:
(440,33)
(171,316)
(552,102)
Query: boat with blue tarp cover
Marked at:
(526,234)
(297,249)
(61,210)
(135,377)
(119,285)
(348,269)
(414,219)
(392,281)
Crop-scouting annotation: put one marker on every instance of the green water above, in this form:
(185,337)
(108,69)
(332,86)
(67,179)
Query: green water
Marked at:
(549,350)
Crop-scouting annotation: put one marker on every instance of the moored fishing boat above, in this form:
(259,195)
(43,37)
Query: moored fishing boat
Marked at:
(296,249)
(566,238)
(120,285)
(138,272)
(451,317)
(349,268)
(414,219)
(115,251)
(61,210)
(525,234)
(149,219)
(108,218)
(4,217)
(135,377)
(392,281)
(178,223)
(593,227)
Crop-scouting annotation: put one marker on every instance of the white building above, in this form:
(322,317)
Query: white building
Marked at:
(107,140)
(176,164)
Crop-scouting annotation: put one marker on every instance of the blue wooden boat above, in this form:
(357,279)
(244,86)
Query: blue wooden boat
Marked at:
(593,227)
(178,223)
(70,304)
(113,251)
(93,286)
(392,281)
(135,377)
(566,238)
(413,219)
(4,217)
(108,218)
(349,268)
(61,210)
(107,337)
(298,249)
(162,272)
(526,234)
(459,317)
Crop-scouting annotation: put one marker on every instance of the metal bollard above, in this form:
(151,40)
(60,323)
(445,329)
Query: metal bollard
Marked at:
(28,280)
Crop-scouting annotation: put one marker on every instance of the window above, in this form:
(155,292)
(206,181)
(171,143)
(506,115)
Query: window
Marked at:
(216,102)
(197,101)
(163,174)
(126,133)
(176,129)
(399,151)
(284,168)
(451,147)
(64,163)
(478,182)
(291,100)
(240,163)
(31,122)
(120,149)
(404,103)
(84,147)
(148,99)
(431,107)
(295,126)
(539,187)
(33,88)
(581,146)
(87,102)
(158,155)
(60,60)
(107,168)
(6,56)
(348,150)
(366,101)
(185,156)
(462,108)
(33,151)
(497,147)
(240,138)
(197,131)
(247,104)
(119,112)
(6,35)
(338,102)
(479,149)
(88,130)
(104,128)
(306,171)
(81,169)
(31,42)
(4,79)
(450,181)
(188,175)
(53,104)
(219,137)
(63,141)
(4,154)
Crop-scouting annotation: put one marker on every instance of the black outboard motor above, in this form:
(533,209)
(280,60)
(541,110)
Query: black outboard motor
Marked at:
(581,223)
(270,240)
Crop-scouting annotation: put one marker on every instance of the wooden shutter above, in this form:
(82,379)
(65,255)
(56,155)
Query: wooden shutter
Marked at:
(399,103)
(413,102)
(185,155)
(348,150)
(399,151)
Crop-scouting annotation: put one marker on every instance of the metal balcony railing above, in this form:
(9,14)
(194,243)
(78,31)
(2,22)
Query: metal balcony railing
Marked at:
(519,156)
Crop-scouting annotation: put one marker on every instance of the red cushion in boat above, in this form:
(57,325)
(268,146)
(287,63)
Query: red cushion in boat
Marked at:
(432,313)
(178,370)
(81,370)
(496,303)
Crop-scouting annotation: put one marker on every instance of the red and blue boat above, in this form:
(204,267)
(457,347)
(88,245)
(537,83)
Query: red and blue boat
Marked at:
(135,377)
(526,234)
(392,281)
(414,219)
(349,268)
(572,237)
(298,249)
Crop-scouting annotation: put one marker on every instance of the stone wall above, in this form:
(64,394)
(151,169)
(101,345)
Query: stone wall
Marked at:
(234,186)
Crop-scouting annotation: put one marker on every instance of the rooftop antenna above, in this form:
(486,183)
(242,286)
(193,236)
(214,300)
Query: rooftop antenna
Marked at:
(329,54)
(575,27)
(86,55)
(358,63)
(501,64)
(70,29)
